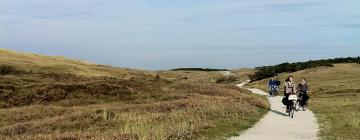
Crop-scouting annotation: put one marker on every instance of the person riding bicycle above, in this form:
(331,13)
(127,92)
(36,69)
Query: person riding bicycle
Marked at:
(303,90)
(277,82)
(272,86)
(289,89)
(277,85)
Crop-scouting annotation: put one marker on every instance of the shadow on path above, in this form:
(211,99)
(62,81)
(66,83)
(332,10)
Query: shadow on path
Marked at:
(279,113)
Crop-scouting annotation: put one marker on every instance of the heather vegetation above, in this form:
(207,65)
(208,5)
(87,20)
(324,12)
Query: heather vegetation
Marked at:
(45,97)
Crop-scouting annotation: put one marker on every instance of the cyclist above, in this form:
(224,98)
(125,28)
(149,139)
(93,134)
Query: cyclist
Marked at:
(277,85)
(277,81)
(303,90)
(272,86)
(289,89)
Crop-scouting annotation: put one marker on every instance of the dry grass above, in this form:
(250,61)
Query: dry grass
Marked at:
(335,98)
(49,64)
(65,99)
(191,76)
(243,73)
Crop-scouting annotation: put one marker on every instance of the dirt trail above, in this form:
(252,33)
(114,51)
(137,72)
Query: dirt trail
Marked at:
(276,125)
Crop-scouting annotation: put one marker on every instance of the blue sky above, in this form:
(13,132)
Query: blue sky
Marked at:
(163,34)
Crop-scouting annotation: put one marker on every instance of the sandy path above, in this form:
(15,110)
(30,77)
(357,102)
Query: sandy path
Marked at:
(276,125)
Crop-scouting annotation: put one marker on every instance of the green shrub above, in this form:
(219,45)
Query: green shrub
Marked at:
(8,70)
(270,71)
(227,79)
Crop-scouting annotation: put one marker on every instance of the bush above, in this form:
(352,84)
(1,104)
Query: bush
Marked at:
(270,71)
(227,79)
(8,70)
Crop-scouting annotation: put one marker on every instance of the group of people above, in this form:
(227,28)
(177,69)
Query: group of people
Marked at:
(290,88)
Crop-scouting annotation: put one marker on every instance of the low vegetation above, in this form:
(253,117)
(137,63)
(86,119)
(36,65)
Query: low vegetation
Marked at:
(335,98)
(45,97)
(198,69)
(243,74)
(270,71)
(227,79)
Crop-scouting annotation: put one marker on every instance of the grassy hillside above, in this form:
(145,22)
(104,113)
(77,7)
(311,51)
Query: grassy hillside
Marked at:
(43,97)
(335,98)
(49,64)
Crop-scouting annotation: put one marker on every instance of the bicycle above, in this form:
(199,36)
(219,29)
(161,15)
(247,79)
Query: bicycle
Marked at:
(273,91)
(292,100)
(300,103)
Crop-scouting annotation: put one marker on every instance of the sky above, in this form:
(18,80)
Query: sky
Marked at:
(164,34)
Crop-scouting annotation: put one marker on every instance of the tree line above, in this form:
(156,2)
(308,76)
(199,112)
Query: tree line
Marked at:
(270,71)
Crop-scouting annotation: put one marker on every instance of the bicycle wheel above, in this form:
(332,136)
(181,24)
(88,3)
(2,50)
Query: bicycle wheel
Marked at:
(289,113)
(304,107)
(288,108)
(292,111)
(297,105)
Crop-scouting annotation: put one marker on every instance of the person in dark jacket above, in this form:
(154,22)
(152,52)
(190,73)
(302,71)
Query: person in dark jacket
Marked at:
(272,86)
(303,90)
(277,81)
